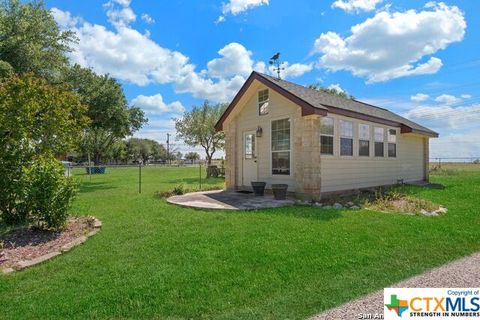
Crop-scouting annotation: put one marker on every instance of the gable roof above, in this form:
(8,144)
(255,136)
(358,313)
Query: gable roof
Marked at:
(317,102)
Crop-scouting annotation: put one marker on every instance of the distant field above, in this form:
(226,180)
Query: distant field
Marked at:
(153,260)
(455,166)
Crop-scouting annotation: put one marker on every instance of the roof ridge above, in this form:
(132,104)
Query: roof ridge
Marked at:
(321,92)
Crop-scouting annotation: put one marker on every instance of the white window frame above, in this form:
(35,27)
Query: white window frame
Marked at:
(362,137)
(392,140)
(262,102)
(276,151)
(376,140)
(342,135)
(327,135)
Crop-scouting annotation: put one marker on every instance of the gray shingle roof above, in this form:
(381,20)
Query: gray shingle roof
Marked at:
(323,100)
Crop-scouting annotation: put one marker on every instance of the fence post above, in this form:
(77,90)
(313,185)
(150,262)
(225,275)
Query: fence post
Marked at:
(200,166)
(139,178)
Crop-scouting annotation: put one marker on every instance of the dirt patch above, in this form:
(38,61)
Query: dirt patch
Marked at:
(397,202)
(30,243)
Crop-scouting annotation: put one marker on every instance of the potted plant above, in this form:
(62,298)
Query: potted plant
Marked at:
(258,188)
(280,191)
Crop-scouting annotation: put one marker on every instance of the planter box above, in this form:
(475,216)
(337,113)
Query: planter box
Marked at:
(95,170)
(258,188)
(280,191)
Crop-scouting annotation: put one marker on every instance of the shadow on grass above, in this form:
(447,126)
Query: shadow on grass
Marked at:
(294,211)
(192,181)
(305,212)
(86,187)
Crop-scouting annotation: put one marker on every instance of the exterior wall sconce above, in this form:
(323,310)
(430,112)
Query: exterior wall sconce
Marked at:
(259,132)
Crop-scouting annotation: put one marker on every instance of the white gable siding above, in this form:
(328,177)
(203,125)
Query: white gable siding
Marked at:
(248,119)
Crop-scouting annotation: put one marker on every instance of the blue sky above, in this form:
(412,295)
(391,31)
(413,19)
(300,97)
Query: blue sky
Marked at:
(417,58)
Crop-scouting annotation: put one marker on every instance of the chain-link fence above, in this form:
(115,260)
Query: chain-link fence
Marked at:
(149,178)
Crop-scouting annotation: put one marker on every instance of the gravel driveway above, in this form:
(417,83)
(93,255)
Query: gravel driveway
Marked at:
(463,273)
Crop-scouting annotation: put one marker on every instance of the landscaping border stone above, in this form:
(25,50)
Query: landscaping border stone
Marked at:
(97,225)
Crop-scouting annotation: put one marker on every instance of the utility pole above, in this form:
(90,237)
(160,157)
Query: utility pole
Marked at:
(168,148)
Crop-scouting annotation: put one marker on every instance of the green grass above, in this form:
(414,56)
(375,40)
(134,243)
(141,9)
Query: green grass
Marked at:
(155,260)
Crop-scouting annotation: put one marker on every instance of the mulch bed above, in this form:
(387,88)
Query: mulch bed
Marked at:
(30,243)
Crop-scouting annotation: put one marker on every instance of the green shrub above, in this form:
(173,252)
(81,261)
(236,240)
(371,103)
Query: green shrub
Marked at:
(49,193)
(178,190)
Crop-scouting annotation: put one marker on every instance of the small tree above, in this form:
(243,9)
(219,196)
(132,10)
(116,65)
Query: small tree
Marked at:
(333,91)
(197,128)
(192,156)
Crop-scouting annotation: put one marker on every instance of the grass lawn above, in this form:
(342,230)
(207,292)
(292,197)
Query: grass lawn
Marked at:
(155,260)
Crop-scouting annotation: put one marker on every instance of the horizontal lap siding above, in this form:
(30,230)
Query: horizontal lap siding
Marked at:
(345,173)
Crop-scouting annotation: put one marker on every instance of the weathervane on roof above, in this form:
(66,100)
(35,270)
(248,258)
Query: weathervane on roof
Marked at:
(275,62)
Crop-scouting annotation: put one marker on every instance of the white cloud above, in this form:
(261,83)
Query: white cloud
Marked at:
(466,96)
(147,18)
(235,60)
(201,87)
(129,55)
(293,70)
(351,6)
(238,6)
(235,7)
(124,3)
(456,144)
(155,105)
(419,97)
(119,16)
(64,18)
(445,116)
(393,45)
(447,99)
(336,86)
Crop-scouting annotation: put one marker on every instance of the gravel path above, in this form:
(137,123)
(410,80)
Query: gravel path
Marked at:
(463,273)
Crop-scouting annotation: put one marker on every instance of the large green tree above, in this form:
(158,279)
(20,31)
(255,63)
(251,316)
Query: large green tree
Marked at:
(197,128)
(111,116)
(36,120)
(31,41)
(145,150)
(192,156)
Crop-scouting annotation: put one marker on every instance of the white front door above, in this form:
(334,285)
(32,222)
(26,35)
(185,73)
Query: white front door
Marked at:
(249,158)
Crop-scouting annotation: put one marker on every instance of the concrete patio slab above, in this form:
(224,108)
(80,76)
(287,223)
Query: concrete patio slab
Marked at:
(228,200)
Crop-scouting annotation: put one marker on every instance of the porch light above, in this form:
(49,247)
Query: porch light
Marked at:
(259,132)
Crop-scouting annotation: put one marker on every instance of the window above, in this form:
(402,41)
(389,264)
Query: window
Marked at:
(263,102)
(364,140)
(379,138)
(249,146)
(392,143)
(281,147)
(346,138)
(326,136)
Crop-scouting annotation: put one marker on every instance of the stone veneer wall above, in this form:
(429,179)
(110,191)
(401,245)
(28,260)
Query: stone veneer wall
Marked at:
(306,155)
(426,155)
(230,155)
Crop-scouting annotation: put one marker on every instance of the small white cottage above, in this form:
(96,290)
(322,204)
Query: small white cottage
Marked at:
(317,143)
